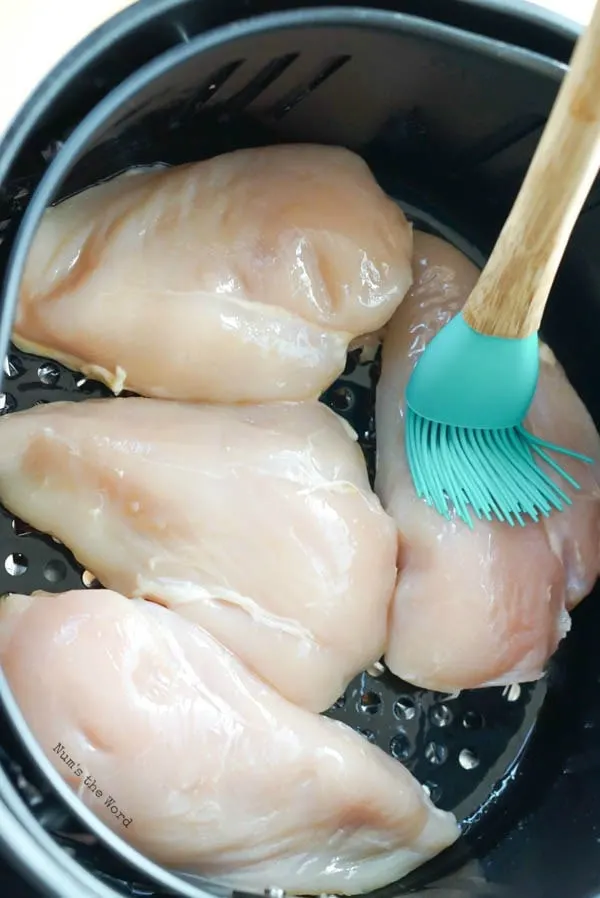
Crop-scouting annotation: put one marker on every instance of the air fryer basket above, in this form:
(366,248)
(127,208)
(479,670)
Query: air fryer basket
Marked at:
(448,121)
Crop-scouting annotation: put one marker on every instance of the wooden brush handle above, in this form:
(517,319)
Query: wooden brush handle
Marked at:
(511,294)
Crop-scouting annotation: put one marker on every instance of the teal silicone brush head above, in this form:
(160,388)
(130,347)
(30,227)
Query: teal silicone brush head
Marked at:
(489,473)
(466,445)
(468,379)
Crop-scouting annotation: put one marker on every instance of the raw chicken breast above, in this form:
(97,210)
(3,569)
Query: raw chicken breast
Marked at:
(209,770)
(484,607)
(238,279)
(258,523)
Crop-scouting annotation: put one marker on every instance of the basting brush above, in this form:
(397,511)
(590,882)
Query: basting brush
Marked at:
(466,402)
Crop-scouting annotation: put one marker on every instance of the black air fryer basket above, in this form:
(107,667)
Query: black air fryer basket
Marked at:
(445,101)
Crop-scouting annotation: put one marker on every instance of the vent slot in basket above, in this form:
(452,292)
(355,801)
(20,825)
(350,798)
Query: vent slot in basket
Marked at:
(294,97)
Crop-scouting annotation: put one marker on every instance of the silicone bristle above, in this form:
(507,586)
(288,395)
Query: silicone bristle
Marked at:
(485,473)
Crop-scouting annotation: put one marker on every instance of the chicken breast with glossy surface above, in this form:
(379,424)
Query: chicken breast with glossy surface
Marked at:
(256,522)
(209,769)
(482,607)
(239,279)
